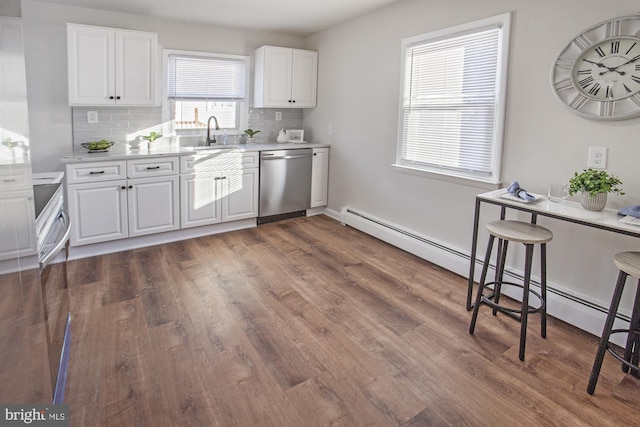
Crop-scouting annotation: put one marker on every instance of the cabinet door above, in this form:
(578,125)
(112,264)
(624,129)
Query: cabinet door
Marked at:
(304,78)
(13,83)
(136,64)
(199,204)
(277,77)
(98,212)
(91,65)
(18,227)
(153,205)
(239,194)
(320,177)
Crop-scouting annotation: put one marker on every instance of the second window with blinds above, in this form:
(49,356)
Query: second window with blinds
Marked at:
(200,85)
(452,102)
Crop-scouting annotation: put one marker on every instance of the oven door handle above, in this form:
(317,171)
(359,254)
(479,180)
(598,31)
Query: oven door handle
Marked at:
(61,243)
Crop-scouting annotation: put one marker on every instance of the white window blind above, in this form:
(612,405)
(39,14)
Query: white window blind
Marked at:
(452,106)
(206,78)
(203,84)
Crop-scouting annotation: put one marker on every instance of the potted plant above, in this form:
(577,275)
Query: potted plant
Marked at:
(152,136)
(594,185)
(251,135)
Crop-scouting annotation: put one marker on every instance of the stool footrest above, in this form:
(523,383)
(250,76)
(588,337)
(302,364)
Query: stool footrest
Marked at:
(512,311)
(634,368)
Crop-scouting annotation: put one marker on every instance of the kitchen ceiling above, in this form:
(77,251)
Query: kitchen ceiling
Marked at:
(298,17)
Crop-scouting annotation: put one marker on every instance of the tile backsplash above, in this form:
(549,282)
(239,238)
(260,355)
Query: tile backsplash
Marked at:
(122,124)
(264,120)
(118,124)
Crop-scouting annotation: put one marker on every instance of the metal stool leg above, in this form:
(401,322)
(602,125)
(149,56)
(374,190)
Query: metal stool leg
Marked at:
(525,299)
(543,289)
(483,277)
(606,332)
(502,259)
(631,349)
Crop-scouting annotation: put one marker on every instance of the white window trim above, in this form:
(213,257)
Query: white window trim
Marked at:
(502,21)
(166,110)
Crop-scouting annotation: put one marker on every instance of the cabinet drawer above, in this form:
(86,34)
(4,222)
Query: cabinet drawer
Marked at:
(152,167)
(14,177)
(219,160)
(95,171)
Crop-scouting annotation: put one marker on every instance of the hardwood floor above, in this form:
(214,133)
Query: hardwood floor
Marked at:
(306,322)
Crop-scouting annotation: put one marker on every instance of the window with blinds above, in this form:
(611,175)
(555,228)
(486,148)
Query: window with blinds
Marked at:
(453,100)
(200,85)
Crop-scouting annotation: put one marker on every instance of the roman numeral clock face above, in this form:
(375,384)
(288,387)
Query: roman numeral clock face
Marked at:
(598,74)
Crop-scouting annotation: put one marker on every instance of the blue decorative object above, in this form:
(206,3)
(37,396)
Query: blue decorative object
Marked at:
(515,190)
(631,211)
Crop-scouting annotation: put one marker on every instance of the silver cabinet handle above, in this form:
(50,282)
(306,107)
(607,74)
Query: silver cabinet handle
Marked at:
(300,156)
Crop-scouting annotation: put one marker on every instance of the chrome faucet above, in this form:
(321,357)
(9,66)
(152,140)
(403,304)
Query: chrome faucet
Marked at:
(209,140)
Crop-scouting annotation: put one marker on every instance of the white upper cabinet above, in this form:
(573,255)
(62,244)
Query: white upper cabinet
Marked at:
(111,67)
(285,78)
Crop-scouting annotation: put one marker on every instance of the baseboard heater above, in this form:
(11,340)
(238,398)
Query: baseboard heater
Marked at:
(443,255)
(347,212)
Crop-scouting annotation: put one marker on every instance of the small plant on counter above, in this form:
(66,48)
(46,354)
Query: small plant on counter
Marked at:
(9,143)
(594,181)
(251,133)
(152,136)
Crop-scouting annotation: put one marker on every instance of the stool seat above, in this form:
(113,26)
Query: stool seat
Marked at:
(629,262)
(521,232)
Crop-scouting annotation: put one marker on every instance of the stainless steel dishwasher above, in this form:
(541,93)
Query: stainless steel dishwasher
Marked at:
(285,184)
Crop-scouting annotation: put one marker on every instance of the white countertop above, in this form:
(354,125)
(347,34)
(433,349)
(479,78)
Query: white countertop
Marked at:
(123,152)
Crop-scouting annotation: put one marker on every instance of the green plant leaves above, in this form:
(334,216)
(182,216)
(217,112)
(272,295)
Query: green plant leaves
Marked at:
(594,181)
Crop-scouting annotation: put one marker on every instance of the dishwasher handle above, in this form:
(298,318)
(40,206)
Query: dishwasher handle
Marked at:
(274,157)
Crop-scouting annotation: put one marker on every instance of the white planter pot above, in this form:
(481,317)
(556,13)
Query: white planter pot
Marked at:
(596,202)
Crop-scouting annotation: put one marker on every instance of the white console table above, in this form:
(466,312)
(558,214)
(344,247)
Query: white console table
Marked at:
(569,211)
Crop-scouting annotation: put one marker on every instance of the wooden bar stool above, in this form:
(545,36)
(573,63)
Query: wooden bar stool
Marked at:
(629,265)
(529,235)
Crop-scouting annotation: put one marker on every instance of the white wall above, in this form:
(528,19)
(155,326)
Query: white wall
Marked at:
(358,93)
(45,34)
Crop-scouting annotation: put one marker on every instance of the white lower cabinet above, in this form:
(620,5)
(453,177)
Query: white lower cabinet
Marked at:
(103,207)
(320,177)
(153,205)
(17,229)
(218,187)
(98,212)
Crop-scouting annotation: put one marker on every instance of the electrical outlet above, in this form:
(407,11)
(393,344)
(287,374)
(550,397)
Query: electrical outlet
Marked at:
(597,157)
(278,116)
(330,130)
(92,116)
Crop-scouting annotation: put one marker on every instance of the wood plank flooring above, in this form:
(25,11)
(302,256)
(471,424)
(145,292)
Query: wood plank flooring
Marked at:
(306,322)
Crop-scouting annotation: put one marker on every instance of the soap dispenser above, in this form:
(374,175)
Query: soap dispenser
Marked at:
(282,136)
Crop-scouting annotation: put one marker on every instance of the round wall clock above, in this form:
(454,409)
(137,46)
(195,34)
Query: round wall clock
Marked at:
(597,75)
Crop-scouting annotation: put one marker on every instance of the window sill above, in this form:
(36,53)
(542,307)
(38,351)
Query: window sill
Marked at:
(462,180)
